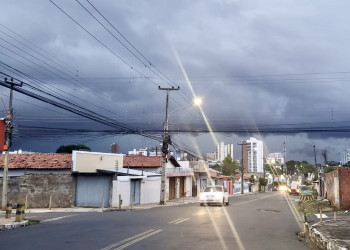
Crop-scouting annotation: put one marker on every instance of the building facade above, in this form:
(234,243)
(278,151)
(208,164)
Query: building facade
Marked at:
(345,156)
(275,159)
(223,150)
(253,152)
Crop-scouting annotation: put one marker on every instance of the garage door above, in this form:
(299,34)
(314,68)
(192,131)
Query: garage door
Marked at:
(91,190)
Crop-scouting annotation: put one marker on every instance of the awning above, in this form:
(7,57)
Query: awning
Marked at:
(128,172)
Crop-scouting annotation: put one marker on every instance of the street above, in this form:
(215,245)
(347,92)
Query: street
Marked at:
(259,221)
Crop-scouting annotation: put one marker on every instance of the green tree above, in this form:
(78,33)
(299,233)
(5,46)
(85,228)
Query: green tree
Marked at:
(228,166)
(328,169)
(291,167)
(305,168)
(262,182)
(67,149)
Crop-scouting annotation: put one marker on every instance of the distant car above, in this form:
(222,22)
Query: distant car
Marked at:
(283,187)
(214,195)
(302,188)
(293,188)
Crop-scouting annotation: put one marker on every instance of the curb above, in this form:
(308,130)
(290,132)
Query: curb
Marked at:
(323,241)
(14,225)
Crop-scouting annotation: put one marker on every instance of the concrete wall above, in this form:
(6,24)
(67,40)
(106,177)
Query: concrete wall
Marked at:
(331,187)
(39,187)
(149,190)
(88,162)
(19,172)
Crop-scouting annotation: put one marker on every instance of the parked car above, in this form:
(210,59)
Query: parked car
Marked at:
(214,195)
(302,188)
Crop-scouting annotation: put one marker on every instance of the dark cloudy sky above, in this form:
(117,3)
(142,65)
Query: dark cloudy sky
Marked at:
(269,66)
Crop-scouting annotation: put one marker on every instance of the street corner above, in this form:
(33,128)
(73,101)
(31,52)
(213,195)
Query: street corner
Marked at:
(6,224)
(331,234)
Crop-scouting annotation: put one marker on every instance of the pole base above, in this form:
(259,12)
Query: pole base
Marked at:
(162,203)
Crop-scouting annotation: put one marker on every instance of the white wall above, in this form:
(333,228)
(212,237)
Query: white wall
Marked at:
(121,186)
(89,162)
(150,190)
(149,193)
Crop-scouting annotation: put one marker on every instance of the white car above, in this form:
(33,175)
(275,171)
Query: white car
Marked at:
(214,195)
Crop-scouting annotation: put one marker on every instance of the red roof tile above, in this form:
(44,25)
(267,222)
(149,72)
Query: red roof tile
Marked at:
(38,161)
(142,161)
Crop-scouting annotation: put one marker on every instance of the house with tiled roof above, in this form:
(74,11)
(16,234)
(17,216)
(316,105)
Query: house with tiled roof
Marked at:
(40,178)
(178,173)
(50,163)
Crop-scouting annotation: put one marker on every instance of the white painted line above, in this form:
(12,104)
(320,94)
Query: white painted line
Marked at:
(183,220)
(138,239)
(323,216)
(57,218)
(171,222)
(127,239)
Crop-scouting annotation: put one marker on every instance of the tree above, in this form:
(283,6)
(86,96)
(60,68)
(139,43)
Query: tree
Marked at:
(328,169)
(262,182)
(291,167)
(228,166)
(67,149)
(305,168)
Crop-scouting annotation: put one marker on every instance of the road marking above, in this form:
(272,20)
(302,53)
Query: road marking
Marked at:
(323,216)
(171,222)
(138,239)
(183,220)
(200,213)
(57,218)
(127,239)
(294,211)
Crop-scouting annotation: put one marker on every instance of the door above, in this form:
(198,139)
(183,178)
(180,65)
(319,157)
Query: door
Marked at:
(194,188)
(135,191)
(171,188)
(92,190)
(182,186)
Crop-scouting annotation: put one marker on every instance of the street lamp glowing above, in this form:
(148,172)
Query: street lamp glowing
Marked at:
(197,101)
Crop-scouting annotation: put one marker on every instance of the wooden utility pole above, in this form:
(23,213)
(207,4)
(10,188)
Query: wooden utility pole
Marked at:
(166,141)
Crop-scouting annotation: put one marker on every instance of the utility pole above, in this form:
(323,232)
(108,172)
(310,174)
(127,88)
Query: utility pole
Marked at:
(242,168)
(284,156)
(166,141)
(318,172)
(8,136)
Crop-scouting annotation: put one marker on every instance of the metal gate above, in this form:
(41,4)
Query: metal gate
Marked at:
(172,188)
(91,190)
(135,191)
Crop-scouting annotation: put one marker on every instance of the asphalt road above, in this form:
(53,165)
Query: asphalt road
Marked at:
(259,221)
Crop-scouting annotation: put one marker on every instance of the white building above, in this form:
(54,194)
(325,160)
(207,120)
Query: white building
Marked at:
(275,158)
(345,156)
(223,150)
(141,151)
(253,155)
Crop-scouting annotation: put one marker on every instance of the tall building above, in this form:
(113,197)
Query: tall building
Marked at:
(345,156)
(223,150)
(115,148)
(253,155)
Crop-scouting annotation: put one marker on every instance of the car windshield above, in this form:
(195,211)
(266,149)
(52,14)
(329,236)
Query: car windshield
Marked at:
(213,189)
(303,188)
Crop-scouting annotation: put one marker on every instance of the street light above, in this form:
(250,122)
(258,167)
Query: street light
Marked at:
(196,102)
